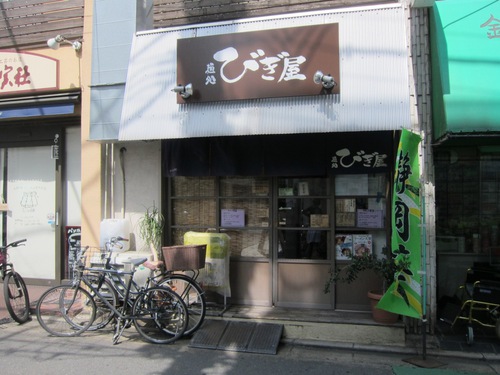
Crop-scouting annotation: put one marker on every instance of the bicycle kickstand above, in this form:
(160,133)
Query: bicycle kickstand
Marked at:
(120,327)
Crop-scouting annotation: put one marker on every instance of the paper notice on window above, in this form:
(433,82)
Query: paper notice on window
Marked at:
(370,219)
(232,218)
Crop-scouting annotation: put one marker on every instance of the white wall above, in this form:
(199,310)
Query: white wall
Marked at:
(142,173)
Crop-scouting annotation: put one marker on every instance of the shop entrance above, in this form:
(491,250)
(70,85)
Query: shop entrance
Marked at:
(285,209)
(31,198)
(279,231)
(284,232)
(302,251)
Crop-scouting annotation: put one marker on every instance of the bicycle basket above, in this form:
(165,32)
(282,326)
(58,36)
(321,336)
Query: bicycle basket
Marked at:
(96,257)
(2,257)
(184,257)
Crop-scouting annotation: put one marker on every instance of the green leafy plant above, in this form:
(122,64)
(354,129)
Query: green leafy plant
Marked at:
(386,267)
(151,229)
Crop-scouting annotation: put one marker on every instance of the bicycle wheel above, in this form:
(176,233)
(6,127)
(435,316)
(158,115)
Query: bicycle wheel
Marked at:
(193,296)
(104,314)
(65,311)
(160,315)
(16,296)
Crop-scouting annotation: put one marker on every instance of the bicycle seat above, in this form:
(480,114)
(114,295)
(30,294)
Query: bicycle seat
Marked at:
(135,262)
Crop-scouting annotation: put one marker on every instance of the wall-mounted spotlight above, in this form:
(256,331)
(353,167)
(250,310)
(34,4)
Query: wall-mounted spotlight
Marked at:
(55,43)
(184,91)
(325,79)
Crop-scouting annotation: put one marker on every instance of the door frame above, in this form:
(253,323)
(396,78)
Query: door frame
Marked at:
(32,135)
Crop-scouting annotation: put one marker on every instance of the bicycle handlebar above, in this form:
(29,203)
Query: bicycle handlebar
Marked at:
(116,239)
(84,249)
(16,243)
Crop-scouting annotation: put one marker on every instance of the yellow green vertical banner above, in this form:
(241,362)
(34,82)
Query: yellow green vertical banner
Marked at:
(404,295)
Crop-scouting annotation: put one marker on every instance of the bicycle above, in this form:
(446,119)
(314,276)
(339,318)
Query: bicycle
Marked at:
(188,288)
(184,285)
(14,288)
(158,314)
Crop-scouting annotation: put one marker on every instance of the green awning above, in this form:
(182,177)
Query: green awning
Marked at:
(465,50)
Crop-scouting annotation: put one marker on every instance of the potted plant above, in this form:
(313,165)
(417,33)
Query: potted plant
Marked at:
(384,266)
(151,230)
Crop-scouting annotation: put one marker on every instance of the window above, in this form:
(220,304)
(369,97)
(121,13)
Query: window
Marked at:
(303,218)
(297,214)
(237,206)
(467,200)
(361,220)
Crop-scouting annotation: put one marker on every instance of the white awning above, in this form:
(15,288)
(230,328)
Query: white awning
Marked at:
(373,71)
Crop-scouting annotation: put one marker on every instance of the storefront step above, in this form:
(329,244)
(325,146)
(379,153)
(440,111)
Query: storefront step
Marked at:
(321,325)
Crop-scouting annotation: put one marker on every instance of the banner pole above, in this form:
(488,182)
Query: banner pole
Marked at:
(424,278)
(417,361)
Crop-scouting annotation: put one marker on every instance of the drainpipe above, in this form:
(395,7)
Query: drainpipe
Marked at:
(111,183)
(122,165)
(106,166)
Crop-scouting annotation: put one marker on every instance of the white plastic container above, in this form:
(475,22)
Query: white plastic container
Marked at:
(115,228)
(141,272)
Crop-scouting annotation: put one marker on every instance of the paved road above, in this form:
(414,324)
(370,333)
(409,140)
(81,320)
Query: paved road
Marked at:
(27,349)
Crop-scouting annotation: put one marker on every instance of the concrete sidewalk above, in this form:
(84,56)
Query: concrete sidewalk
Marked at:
(445,343)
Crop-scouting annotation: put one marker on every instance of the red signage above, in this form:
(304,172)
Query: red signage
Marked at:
(22,72)
(260,64)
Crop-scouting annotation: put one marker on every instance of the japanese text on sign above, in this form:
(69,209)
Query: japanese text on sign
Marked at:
(27,72)
(289,66)
(493,25)
(10,77)
(344,158)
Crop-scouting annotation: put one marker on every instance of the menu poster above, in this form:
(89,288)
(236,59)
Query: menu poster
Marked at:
(73,237)
(345,219)
(319,221)
(343,246)
(362,244)
(345,205)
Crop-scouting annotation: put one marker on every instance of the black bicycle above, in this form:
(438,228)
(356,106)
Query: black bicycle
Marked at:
(185,285)
(158,314)
(15,292)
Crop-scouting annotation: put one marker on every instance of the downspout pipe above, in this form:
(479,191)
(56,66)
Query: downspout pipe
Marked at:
(112,182)
(122,166)
(106,182)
